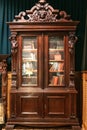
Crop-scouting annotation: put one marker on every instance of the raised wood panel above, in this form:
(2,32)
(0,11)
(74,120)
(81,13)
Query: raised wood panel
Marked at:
(29,105)
(56,105)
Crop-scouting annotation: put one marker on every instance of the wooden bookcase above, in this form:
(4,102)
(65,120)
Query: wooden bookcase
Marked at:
(43,92)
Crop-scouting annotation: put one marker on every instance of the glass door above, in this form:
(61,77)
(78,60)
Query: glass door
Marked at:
(56,61)
(29,61)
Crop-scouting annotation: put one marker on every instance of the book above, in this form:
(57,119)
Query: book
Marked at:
(54,66)
(55,80)
(61,80)
(60,66)
(57,57)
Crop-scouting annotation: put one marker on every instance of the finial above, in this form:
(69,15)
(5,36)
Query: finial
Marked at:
(42,1)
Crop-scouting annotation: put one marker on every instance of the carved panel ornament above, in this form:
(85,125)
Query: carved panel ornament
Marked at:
(14,43)
(72,40)
(42,12)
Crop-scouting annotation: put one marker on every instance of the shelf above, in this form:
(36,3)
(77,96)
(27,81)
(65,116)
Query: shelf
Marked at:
(29,50)
(52,85)
(56,60)
(28,60)
(29,85)
(62,49)
(29,77)
(56,71)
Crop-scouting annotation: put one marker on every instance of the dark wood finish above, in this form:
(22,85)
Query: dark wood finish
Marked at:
(3,86)
(44,102)
(3,71)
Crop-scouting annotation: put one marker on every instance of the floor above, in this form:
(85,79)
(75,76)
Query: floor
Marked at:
(50,129)
(44,129)
(57,128)
(63,128)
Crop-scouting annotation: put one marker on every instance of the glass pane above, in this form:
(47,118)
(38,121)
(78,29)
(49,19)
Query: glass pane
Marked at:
(29,61)
(56,61)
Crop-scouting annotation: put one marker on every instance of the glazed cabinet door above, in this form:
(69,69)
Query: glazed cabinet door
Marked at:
(56,61)
(30,64)
(44,61)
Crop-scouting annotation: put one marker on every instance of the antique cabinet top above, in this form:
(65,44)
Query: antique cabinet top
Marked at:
(42,14)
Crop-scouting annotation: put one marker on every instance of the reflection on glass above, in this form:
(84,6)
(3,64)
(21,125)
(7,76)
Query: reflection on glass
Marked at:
(56,61)
(29,61)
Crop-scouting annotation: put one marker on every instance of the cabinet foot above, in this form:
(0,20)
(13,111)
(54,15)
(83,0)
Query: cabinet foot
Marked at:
(76,128)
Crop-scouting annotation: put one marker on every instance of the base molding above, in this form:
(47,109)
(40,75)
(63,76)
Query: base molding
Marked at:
(42,125)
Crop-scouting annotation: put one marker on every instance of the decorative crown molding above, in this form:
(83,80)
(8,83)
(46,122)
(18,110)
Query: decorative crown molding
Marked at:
(42,12)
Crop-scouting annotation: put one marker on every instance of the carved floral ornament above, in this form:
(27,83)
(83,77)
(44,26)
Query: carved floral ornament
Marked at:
(14,43)
(42,11)
(72,40)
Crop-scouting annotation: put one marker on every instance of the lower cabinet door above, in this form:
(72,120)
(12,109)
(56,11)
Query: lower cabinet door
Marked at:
(57,105)
(42,105)
(29,105)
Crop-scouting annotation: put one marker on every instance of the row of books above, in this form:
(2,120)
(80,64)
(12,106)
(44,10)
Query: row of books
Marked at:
(56,66)
(31,56)
(57,80)
(29,43)
(56,42)
(56,55)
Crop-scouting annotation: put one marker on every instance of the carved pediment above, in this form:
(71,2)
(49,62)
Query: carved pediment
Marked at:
(42,12)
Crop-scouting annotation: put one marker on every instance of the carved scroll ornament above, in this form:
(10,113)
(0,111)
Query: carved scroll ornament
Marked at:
(14,48)
(72,41)
(14,43)
(42,11)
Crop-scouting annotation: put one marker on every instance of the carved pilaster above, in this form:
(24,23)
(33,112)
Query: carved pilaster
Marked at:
(14,44)
(14,79)
(14,49)
(71,42)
